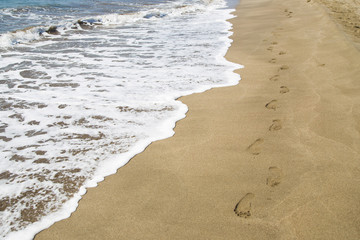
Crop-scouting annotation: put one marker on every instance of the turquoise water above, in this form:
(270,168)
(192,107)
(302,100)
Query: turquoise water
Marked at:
(24,3)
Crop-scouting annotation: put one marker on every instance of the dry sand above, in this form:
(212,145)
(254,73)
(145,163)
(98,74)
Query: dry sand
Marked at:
(275,157)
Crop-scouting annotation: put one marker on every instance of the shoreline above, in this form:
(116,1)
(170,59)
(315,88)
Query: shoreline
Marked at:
(281,148)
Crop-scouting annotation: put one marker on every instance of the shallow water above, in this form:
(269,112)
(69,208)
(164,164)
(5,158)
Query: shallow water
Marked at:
(77,105)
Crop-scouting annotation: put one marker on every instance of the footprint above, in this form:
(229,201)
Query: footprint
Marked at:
(275,176)
(243,207)
(284,89)
(288,12)
(274,78)
(276,126)
(282,52)
(273,60)
(254,148)
(284,67)
(270,48)
(274,43)
(271,105)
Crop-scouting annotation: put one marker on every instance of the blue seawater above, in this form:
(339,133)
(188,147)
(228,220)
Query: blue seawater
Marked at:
(16,14)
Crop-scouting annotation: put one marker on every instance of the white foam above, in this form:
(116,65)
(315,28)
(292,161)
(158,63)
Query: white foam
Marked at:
(10,39)
(98,98)
(31,34)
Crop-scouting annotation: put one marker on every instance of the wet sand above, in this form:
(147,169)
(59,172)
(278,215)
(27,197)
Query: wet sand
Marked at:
(275,157)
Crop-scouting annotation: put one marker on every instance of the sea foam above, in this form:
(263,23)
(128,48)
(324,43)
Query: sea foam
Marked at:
(77,106)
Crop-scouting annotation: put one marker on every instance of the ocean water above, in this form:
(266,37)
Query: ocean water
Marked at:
(86,85)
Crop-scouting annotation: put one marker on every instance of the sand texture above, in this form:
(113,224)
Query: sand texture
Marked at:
(275,157)
(346,13)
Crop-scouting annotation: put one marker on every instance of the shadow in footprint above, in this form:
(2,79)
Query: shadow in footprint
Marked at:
(274,78)
(282,52)
(276,126)
(243,207)
(272,105)
(275,176)
(284,67)
(284,89)
(273,60)
(288,12)
(254,148)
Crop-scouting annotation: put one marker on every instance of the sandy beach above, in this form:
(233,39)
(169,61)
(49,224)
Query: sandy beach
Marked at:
(275,157)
